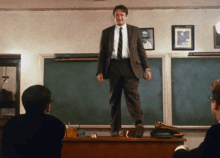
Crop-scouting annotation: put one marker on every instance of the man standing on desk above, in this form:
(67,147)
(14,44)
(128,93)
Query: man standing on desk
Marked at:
(123,61)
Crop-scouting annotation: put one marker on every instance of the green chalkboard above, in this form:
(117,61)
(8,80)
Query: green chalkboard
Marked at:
(191,78)
(80,99)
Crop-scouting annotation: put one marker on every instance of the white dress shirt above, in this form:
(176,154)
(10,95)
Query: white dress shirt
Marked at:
(180,147)
(125,48)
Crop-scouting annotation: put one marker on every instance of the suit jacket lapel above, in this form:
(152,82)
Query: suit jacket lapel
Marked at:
(111,39)
(129,36)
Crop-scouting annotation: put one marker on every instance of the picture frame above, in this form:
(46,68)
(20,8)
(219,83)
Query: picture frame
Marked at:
(147,35)
(216,38)
(183,37)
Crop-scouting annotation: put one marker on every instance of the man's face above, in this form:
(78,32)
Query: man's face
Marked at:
(120,17)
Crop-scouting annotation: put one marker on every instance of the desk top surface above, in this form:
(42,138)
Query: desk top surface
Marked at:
(123,139)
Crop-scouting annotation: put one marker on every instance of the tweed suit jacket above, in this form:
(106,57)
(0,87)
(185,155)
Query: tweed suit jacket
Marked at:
(138,57)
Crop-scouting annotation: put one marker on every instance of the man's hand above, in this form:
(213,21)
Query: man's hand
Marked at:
(100,77)
(147,75)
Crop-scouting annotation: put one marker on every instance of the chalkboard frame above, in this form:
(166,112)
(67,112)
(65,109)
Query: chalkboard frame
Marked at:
(167,93)
(188,55)
(166,109)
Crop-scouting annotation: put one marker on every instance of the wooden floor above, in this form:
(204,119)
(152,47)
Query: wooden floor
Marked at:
(120,147)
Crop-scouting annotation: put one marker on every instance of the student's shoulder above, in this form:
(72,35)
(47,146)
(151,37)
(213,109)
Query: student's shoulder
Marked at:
(14,121)
(51,118)
(50,122)
(213,131)
(215,127)
(16,118)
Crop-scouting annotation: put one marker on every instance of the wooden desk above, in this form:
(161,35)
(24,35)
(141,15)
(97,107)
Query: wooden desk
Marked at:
(120,147)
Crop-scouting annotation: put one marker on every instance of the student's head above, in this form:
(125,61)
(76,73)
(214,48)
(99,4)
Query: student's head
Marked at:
(36,99)
(120,13)
(215,104)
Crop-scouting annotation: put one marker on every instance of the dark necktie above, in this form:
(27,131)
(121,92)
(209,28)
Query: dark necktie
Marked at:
(120,44)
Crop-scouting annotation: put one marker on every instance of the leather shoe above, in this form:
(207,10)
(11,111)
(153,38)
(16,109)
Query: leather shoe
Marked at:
(115,134)
(139,130)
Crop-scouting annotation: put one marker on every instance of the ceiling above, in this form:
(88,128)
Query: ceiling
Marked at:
(107,4)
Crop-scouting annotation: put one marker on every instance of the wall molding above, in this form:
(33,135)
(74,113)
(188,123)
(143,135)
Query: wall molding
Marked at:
(109,8)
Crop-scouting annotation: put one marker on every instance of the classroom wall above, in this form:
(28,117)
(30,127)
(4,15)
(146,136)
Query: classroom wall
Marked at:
(78,4)
(38,34)
(34,34)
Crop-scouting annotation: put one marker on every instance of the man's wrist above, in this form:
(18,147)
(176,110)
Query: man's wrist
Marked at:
(147,69)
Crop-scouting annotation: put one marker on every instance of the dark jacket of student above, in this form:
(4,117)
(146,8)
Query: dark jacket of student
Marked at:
(209,148)
(27,136)
(35,134)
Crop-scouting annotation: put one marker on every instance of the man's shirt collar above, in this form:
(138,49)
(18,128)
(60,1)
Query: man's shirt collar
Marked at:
(123,27)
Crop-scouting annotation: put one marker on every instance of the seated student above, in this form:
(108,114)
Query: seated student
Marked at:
(209,148)
(35,134)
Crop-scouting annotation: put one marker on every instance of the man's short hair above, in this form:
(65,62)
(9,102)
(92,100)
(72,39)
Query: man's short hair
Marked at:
(215,88)
(122,8)
(36,98)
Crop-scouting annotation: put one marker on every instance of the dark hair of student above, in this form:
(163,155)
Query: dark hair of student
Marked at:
(36,98)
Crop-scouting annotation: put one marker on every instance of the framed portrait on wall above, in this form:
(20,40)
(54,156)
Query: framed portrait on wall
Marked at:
(183,37)
(216,38)
(147,35)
